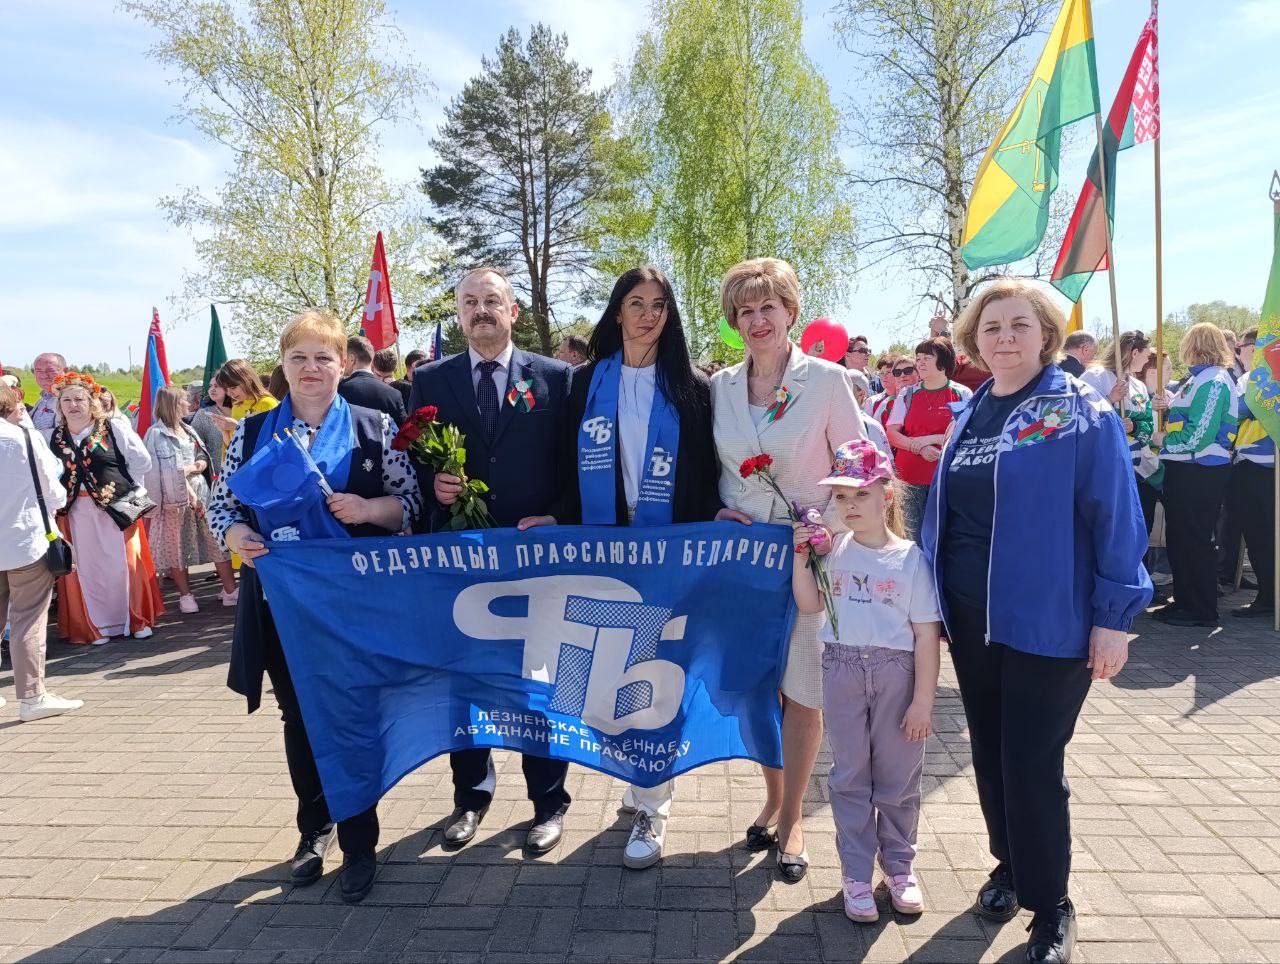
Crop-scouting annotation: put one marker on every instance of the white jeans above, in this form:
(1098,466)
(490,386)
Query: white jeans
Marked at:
(655,801)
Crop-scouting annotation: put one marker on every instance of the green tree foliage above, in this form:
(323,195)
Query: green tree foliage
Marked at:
(728,149)
(944,76)
(523,156)
(298,90)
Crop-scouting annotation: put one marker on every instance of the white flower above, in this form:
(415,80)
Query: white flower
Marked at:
(368,465)
(1055,420)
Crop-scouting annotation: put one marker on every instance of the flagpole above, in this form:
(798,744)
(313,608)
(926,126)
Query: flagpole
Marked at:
(1274,193)
(1111,255)
(1159,291)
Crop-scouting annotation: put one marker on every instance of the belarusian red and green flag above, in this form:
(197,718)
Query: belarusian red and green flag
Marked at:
(1134,119)
(1262,394)
(1009,206)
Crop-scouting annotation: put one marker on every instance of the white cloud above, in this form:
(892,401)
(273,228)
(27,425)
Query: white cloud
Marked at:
(53,173)
(601,32)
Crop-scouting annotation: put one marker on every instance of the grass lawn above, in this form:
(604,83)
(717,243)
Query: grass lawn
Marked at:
(124,388)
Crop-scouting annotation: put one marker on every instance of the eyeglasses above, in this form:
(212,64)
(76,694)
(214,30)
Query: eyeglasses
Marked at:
(903,372)
(860,350)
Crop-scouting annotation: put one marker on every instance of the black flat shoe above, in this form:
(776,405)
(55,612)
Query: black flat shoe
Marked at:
(462,828)
(307,865)
(356,879)
(760,838)
(1053,935)
(997,899)
(1254,611)
(544,836)
(793,867)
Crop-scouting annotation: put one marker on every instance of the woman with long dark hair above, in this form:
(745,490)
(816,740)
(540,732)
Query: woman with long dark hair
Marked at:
(648,457)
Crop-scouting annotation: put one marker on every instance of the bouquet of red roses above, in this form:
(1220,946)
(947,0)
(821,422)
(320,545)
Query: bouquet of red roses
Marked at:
(442,447)
(758,466)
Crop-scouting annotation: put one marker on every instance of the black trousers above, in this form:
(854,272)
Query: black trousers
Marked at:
(1022,711)
(1148,498)
(474,780)
(1193,496)
(355,835)
(1251,496)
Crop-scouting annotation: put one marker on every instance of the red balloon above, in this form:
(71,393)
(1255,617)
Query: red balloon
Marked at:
(825,339)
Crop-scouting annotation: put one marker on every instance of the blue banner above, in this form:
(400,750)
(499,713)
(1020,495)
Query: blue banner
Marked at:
(638,652)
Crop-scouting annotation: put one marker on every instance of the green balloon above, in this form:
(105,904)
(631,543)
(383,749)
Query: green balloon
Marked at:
(730,336)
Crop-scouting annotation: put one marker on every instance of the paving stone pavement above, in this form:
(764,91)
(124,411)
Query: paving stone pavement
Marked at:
(156,825)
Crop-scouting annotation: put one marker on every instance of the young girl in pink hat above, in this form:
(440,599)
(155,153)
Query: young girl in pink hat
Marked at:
(879,674)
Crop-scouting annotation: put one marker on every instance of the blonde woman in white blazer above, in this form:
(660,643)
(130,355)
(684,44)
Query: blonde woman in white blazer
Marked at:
(798,410)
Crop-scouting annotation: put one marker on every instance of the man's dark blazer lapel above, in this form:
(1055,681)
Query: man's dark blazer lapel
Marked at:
(521,367)
(457,375)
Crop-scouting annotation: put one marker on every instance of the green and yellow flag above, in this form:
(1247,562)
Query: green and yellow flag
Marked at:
(1262,393)
(1009,206)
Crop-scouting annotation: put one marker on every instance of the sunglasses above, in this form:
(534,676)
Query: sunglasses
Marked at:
(860,350)
(903,372)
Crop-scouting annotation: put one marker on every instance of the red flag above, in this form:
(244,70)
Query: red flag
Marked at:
(155,373)
(379,322)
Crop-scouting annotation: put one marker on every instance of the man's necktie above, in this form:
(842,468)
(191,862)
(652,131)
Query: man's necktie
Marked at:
(487,398)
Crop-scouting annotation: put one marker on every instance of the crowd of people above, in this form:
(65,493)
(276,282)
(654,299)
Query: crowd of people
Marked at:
(997,488)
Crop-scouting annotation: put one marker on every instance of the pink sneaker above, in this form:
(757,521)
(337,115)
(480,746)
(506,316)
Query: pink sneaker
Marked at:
(904,892)
(859,903)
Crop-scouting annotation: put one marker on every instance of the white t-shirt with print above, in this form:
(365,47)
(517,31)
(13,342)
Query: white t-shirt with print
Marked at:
(879,593)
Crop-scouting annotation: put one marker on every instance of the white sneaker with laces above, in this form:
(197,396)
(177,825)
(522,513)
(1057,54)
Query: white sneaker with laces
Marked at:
(859,902)
(187,604)
(644,846)
(229,599)
(44,706)
(146,632)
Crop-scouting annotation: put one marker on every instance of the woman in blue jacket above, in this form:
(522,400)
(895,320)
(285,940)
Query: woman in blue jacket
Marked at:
(1036,536)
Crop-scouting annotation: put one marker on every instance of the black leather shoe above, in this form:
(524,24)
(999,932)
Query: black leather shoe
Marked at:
(463,826)
(1254,611)
(760,838)
(997,900)
(356,879)
(307,865)
(1053,935)
(544,835)
(793,867)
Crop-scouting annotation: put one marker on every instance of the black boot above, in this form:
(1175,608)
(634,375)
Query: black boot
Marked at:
(307,865)
(356,879)
(997,900)
(1053,935)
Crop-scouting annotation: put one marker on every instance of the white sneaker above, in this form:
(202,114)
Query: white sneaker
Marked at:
(146,632)
(859,902)
(644,846)
(2,701)
(44,706)
(187,604)
(229,599)
(100,641)
(905,894)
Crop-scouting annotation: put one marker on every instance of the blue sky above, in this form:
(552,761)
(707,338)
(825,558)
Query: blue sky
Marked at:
(87,146)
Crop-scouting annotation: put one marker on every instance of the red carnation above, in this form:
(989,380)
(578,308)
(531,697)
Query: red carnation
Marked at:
(410,431)
(757,463)
(425,414)
(400,443)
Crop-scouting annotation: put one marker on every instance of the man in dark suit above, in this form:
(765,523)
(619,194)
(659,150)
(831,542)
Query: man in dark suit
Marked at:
(405,385)
(512,407)
(363,387)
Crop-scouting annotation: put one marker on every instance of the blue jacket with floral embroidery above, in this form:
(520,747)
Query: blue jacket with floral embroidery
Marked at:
(1068,536)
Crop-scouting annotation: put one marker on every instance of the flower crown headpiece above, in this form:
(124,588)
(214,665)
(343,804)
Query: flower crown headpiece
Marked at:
(75,380)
